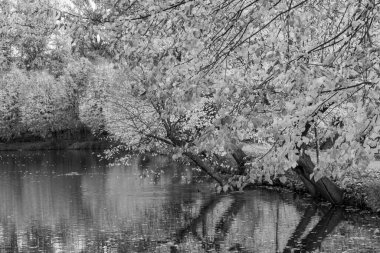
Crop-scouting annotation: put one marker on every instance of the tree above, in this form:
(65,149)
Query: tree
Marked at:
(88,38)
(26,29)
(10,102)
(92,103)
(46,108)
(279,69)
(45,97)
(77,75)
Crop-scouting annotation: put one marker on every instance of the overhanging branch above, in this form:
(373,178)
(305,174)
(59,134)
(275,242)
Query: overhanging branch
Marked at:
(160,139)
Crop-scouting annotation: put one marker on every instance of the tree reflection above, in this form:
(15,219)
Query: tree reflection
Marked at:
(222,225)
(313,239)
(306,237)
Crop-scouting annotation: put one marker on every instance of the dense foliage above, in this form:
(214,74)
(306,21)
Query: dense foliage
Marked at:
(201,78)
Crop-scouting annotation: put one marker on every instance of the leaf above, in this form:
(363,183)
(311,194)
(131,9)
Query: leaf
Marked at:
(282,179)
(177,156)
(268,179)
(349,136)
(329,60)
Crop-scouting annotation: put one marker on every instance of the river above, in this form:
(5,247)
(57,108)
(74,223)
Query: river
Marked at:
(72,202)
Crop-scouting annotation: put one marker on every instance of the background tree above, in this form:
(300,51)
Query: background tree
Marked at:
(46,108)
(11,85)
(93,102)
(26,29)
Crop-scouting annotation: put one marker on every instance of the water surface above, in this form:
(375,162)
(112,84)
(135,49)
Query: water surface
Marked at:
(72,202)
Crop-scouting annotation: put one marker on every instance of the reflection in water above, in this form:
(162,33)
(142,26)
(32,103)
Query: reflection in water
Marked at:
(71,202)
(313,239)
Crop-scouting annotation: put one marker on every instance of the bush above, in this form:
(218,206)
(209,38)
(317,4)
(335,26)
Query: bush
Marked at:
(11,85)
(46,107)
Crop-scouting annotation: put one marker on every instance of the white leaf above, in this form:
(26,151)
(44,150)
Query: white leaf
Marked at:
(282,179)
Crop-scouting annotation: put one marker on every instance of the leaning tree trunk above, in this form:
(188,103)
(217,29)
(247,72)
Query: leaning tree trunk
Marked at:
(240,157)
(323,187)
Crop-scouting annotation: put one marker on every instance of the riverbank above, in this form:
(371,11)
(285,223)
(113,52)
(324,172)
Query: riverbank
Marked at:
(55,145)
(361,190)
(364,190)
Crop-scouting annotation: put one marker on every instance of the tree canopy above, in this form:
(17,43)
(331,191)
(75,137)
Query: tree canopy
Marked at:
(271,69)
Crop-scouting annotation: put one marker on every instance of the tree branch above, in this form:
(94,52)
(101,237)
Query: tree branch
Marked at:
(348,87)
(198,161)
(160,139)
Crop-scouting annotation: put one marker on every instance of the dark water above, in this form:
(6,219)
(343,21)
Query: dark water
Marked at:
(71,202)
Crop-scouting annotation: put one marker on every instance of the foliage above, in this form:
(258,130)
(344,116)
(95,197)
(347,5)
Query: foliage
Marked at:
(76,78)
(130,119)
(92,103)
(273,70)
(39,103)
(87,39)
(46,97)
(279,68)
(25,35)
(46,107)
(10,115)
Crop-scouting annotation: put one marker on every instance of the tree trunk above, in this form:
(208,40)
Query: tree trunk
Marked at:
(240,158)
(324,186)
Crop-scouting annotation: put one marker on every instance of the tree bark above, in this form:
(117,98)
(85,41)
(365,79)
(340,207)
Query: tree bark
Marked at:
(240,158)
(324,186)
(305,167)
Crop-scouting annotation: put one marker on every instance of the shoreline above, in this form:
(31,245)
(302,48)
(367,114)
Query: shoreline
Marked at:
(55,145)
(363,195)
(361,191)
